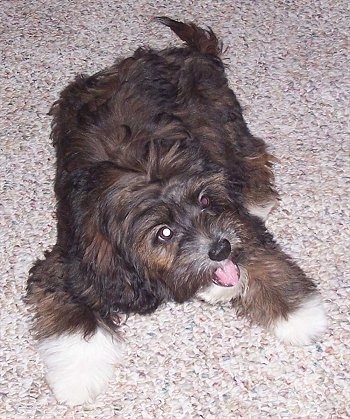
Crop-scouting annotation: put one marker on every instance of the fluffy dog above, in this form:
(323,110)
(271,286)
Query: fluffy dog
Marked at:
(162,193)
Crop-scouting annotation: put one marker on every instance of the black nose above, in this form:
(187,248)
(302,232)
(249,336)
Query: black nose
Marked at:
(220,250)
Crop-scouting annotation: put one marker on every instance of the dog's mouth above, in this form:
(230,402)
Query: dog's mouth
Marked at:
(227,275)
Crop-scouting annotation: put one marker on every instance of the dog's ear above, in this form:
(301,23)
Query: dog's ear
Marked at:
(102,275)
(115,282)
(121,287)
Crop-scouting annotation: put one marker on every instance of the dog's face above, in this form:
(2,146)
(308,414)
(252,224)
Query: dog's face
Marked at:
(180,232)
(171,225)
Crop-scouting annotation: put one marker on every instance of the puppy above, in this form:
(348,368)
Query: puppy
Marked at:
(162,193)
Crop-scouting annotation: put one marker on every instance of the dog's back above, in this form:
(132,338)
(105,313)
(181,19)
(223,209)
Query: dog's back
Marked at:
(174,93)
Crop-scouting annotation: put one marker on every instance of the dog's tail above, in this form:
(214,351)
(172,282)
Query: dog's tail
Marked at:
(202,40)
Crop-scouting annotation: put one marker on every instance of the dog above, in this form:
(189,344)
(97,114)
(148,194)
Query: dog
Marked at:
(162,195)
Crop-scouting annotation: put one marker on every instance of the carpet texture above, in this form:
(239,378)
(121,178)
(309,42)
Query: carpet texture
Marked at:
(289,65)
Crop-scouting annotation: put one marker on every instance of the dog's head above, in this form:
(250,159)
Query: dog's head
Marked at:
(164,228)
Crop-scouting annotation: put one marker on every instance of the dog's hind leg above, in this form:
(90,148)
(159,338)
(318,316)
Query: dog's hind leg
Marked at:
(259,194)
(261,210)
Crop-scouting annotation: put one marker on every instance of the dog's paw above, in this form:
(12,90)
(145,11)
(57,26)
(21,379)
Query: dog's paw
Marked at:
(303,326)
(79,369)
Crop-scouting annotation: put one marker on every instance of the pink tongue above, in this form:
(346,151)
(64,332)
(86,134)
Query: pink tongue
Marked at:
(227,275)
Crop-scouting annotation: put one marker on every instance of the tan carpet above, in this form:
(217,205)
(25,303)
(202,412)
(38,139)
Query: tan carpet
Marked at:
(289,64)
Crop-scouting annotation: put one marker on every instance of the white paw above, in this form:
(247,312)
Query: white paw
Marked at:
(79,369)
(303,326)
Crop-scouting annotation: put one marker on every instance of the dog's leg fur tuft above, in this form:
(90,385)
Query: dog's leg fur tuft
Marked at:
(79,368)
(304,325)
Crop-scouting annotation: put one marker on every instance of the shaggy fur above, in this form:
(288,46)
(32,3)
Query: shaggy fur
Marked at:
(161,195)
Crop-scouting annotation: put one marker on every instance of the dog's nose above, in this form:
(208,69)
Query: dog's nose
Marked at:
(220,250)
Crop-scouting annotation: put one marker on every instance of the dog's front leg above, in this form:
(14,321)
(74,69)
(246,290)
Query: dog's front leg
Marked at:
(282,298)
(78,349)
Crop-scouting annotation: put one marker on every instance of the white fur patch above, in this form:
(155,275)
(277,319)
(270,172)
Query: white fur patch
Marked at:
(262,211)
(303,326)
(216,294)
(79,369)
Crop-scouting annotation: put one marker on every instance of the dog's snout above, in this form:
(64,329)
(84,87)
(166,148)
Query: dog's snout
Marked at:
(220,250)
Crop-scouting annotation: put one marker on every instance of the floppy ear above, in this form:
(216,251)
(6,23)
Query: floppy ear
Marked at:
(104,278)
(51,294)
(116,283)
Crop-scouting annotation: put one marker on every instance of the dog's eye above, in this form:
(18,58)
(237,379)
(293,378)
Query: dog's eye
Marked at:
(165,234)
(204,201)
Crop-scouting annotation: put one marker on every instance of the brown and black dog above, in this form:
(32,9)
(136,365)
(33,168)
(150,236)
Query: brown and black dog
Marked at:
(162,193)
